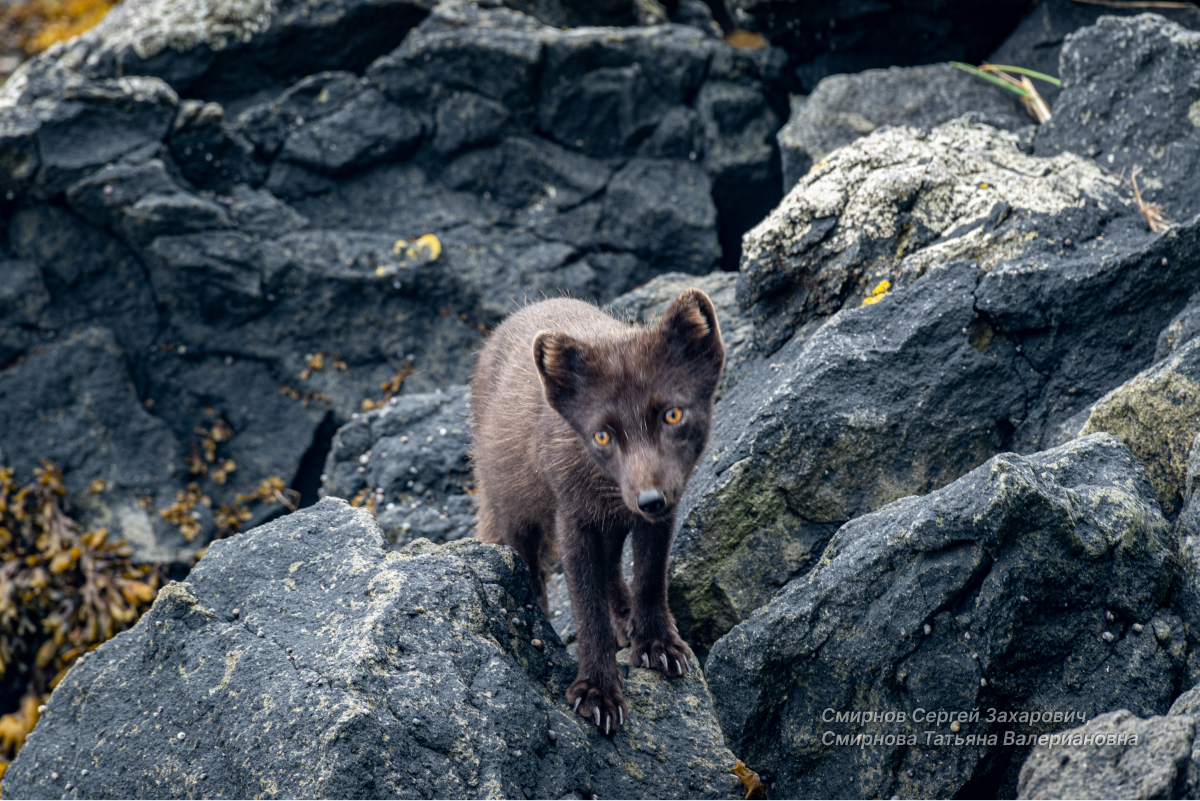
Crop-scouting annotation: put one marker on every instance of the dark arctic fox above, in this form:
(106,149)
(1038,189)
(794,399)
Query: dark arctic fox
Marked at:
(587,430)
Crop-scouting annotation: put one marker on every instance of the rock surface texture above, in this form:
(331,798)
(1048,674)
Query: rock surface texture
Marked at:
(1037,43)
(1118,71)
(281,213)
(1014,588)
(1020,294)
(305,659)
(1102,760)
(843,108)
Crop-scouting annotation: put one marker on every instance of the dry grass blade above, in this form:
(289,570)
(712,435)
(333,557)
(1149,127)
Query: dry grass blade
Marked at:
(1156,218)
(1022,87)
(1033,102)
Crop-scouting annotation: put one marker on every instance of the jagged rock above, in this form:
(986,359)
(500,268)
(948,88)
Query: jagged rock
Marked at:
(854,35)
(1115,755)
(902,199)
(647,303)
(1037,42)
(906,394)
(209,153)
(1180,331)
(843,108)
(352,669)
(1131,99)
(74,404)
(411,460)
(994,592)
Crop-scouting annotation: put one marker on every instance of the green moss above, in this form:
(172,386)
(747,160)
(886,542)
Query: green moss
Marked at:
(1156,415)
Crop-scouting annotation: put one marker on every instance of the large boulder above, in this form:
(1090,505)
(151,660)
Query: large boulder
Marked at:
(1131,100)
(1039,291)
(843,108)
(1030,585)
(1037,42)
(344,201)
(1115,755)
(305,658)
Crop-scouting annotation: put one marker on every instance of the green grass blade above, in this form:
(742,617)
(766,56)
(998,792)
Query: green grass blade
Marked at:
(1016,90)
(1041,76)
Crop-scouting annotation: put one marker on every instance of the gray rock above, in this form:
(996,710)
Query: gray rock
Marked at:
(990,593)
(1181,330)
(227,48)
(74,404)
(23,296)
(368,128)
(1141,77)
(410,460)
(1115,755)
(906,394)
(352,669)
(897,201)
(209,152)
(1037,42)
(230,239)
(843,108)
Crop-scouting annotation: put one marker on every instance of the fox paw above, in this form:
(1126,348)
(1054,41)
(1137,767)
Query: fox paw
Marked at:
(605,707)
(621,629)
(667,655)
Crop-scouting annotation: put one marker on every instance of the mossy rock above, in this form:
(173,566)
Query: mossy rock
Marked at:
(1157,415)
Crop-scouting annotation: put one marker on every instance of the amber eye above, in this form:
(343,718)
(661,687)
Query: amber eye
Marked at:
(602,437)
(673,416)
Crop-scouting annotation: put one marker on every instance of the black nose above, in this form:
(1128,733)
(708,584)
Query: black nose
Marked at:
(651,501)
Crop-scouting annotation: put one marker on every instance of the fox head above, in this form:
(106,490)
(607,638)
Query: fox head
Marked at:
(641,404)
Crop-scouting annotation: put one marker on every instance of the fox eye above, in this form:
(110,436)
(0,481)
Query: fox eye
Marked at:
(602,437)
(673,416)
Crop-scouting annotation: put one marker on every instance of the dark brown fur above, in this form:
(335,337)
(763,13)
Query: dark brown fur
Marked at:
(548,379)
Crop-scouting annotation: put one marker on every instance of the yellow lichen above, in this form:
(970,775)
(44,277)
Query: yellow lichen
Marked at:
(426,247)
(877,293)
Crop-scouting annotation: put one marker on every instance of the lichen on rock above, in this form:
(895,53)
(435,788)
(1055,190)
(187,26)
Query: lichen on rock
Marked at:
(1157,414)
(890,205)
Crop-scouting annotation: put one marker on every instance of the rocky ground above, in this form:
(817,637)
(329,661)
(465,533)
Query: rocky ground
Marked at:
(250,249)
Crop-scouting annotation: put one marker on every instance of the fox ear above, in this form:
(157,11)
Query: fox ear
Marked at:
(563,365)
(691,331)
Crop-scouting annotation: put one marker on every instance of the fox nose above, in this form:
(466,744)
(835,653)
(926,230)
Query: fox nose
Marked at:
(651,501)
